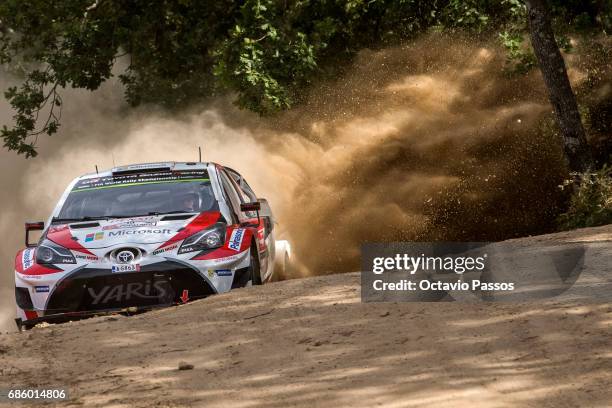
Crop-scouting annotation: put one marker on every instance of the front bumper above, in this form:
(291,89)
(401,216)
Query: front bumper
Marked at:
(89,290)
(160,284)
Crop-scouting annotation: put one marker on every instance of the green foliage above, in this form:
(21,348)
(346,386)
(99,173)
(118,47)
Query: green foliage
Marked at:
(466,14)
(583,15)
(29,100)
(591,199)
(261,61)
(266,52)
(519,56)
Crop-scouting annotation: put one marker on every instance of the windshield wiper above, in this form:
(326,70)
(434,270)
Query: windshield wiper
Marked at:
(171,212)
(88,218)
(66,220)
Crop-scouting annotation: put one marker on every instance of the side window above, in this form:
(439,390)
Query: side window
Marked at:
(248,190)
(242,184)
(234,199)
(244,198)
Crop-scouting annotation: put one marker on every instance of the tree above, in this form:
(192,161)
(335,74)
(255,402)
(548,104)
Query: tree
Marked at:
(265,52)
(560,92)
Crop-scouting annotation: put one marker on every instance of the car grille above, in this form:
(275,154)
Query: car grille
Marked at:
(158,285)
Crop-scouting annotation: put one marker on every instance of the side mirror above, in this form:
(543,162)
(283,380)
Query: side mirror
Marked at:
(254,206)
(32,226)
(266,215)
(265,210)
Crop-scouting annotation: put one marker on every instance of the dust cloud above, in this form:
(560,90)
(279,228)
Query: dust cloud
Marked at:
(427,141)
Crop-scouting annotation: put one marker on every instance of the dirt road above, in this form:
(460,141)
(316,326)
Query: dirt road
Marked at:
(312,343)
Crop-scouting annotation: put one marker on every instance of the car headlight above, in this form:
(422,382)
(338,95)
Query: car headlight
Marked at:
(50,253)
(210,238)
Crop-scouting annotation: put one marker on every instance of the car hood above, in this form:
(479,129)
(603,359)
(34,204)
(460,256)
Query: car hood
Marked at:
(137,230)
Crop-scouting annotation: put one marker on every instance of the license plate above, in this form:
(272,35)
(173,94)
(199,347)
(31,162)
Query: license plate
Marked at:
(125,268)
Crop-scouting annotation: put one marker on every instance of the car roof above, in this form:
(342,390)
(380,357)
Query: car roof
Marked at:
(130,168)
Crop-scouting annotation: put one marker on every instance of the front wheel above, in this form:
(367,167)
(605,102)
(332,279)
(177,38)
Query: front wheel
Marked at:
(254,267)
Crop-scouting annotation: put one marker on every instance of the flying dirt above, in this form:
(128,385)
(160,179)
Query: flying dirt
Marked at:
(427,141)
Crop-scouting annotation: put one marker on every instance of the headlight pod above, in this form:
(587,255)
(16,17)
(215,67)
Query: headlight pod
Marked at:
(210,238)
(50,253)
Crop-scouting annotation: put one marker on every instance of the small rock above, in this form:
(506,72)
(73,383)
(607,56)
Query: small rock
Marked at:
(185,366)
(385,314)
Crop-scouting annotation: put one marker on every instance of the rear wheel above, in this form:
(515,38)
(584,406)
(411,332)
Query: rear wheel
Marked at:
(254,267)
(283,268)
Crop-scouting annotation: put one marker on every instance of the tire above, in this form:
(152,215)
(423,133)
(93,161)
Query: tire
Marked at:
(254,267)
(284,270)
(283,266)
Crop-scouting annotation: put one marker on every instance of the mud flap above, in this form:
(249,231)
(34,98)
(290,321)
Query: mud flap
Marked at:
(241,278)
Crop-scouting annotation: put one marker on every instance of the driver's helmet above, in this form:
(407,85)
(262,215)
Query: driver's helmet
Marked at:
(184,199)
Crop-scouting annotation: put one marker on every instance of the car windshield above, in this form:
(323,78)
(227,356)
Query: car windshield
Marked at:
(141,194)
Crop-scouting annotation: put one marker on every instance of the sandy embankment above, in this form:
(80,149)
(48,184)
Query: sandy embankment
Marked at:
(312,343)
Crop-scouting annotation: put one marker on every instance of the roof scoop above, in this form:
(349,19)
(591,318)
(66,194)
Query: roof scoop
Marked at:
(142,168)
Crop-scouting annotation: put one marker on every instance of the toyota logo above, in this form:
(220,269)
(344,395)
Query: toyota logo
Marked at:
(125,257)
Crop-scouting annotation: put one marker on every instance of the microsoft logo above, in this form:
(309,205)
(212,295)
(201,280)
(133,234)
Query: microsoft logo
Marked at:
(94,236)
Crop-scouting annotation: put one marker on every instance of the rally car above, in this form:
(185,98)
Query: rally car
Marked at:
(143,236)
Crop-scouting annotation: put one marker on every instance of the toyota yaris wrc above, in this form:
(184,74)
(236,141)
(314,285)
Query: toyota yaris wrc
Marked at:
(144,236)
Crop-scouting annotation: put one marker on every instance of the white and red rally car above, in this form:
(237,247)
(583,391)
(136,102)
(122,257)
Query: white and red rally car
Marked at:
(144,236)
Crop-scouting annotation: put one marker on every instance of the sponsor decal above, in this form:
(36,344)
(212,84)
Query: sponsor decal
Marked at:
(132,223)
(235,241)
(166,249)
(27,258)
(226,259)
(223,272)
(86,257)
(118,181)
(41,289)
(121,233)
(125,292)
(125,268)
(94,236)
